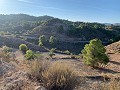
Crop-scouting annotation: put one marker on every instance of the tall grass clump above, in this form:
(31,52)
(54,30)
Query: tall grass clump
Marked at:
(59,76)
(53,75)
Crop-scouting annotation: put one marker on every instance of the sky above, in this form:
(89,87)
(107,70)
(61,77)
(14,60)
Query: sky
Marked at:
(103,11)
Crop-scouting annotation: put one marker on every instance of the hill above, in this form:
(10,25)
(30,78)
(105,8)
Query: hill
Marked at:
(113,48)
(69,35)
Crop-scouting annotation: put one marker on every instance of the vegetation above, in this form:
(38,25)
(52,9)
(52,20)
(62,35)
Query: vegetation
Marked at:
(67,52)
(23,48)
(6,54)
(52,40)
(94,53)
(42,40)
(51,53)
(29,55)
(54,76)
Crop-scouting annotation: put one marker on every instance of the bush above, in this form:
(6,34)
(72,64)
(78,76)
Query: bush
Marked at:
(53,76)
(51,53)
(37,67)
(42,40)
(6,49)
(113,84)
(52,40)
(29,55)
(23,48)
(94,54)
(59,76)
(6,54)
(67,52)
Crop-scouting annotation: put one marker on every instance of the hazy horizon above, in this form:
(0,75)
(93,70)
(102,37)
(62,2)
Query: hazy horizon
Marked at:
(104,11)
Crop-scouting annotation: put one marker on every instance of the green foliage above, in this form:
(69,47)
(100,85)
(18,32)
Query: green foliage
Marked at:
(23,48)
(51,53)
(61,29)
(29,55)
(40,44)
(42,40)
(52,40)
(94,53)
(67,52)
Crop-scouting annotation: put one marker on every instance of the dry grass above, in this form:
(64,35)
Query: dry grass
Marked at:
(60,76)
(37,67)
(114,84)
(53,76)
(6,56)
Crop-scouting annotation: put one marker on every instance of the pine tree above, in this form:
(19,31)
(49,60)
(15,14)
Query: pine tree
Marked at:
(94,53)
(42,40)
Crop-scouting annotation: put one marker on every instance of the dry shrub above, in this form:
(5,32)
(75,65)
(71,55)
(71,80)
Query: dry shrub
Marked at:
(59,76)
(6,55)
(114,84)
(53,75)
(37,67)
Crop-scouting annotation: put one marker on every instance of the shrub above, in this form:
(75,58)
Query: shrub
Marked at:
(73,56)
(42,40)
(23,48)
(59,76)
(6,49)
(29,55)
(37,67)
(52,40)
(51,53)
(94,53)
(40,44)
(67,52)
(53,76)
(112,85)
(6,55)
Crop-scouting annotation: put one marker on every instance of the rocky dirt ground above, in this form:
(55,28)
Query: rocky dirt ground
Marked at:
(14,77)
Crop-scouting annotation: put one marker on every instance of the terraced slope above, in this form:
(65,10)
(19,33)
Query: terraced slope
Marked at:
(15,42)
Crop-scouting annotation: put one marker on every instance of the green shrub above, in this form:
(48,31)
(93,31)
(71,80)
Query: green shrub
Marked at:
(23,48)
(94,54)
(42,40)
(29,55)
(51,54)
(67,52)
(52,40)
(40,44)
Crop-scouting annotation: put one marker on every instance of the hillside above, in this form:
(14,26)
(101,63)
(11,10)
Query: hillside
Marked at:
(16,74)
(26,24)
(69,35)
(113,48)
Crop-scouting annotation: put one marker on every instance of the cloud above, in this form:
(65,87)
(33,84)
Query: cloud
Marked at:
(39,6)
(25,1)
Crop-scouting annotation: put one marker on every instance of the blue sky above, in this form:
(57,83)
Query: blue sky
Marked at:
(104,11)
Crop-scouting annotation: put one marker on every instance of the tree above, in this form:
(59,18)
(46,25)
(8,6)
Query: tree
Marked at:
(51,53)
(52,40)
(23,48)
(42,40)
(94,53)
(60,29)
(29,55)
